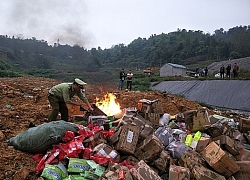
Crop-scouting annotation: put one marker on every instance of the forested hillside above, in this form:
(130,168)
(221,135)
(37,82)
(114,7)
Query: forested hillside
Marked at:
(186,47)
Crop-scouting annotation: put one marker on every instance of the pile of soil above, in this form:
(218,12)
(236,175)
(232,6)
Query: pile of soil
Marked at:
(24,101)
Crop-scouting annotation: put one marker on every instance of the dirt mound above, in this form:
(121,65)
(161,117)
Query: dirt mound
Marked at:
(24,101)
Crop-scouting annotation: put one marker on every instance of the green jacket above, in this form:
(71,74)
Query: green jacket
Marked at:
(65,92)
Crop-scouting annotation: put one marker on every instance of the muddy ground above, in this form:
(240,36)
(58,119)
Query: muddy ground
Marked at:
(24,100)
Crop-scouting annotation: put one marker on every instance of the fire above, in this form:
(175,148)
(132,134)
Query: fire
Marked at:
(108,105)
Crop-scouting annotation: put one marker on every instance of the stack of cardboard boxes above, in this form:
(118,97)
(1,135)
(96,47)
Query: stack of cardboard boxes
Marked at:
(151,110)
(152,152)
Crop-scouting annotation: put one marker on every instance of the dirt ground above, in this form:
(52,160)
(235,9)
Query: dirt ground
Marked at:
(24,100)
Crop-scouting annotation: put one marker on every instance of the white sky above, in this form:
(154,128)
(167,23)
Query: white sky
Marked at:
(93,23)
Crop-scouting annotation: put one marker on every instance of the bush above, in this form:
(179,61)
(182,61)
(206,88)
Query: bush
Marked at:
(9,73)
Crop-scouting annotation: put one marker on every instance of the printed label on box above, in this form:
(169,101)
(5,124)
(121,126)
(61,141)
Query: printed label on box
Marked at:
(102,153)
(130,136)
(113,154)
(164,132)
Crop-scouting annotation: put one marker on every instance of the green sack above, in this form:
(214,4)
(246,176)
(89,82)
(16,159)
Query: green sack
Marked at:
(41,138)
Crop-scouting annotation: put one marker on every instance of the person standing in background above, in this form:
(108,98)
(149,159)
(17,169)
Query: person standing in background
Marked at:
(222,71)
(235,70)
(228,71)
(122,78)
(206,71)
(129,80)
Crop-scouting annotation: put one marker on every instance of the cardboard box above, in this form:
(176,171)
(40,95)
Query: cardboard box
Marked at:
(191,158)
(144,106)
(97,120)
(149,149)
(146,127)
(202,143)
(244,124)
(141,171)
(114,139)
(228,144)
(213,130)
(163,162)
(153,118)
(121,172)
(109,175)
(146,131)
(128,138)
(107,151)
(244,155)
(157,107)
(215,118)
(94,140)
(244,172)
(196,119)
(200,172)
(179,173)
(148,106)
(219,160)
(139,122)
(116,171)
(132,160)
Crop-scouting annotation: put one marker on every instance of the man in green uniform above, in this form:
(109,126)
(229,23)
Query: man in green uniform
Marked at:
(61,94)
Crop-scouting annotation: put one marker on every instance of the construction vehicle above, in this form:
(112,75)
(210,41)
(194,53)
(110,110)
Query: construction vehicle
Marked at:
(148,70)
(151,71)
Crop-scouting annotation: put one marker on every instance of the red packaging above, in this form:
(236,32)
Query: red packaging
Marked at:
(86,153)
(121,174)
(37,157)
(69,135)
(41,165)
(52,157)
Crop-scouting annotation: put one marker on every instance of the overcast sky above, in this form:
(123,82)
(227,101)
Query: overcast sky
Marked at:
(103,23)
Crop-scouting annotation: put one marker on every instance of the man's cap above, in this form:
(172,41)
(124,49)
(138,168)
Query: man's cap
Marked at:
(79,82)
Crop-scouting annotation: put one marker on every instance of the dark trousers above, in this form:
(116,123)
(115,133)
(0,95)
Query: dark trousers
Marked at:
(235,73)
(120,86)
(57,106)
(222,74)
(129,85)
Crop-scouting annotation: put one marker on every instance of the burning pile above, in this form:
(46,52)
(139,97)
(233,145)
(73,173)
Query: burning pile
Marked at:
(147,144)
(108,105)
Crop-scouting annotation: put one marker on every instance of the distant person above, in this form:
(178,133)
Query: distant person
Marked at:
(122,79)
(197,74)
(206,71)
(222,71)
(228,71)
(235,70)
(197,70)
(60,95)
(129,80)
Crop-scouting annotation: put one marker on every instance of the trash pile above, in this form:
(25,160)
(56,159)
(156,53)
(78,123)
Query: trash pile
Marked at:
(142,143)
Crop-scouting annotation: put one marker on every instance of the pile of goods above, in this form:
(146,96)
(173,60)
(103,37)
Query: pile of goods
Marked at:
(141,143)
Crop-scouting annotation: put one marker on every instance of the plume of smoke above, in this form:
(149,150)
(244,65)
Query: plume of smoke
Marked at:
(48,20)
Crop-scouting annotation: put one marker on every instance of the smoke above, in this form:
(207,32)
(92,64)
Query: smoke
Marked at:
(47,20)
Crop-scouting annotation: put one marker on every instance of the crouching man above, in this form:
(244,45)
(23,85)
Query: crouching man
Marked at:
(61,94)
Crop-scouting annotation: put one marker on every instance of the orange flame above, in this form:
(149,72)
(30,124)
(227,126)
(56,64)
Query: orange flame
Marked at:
(108,105)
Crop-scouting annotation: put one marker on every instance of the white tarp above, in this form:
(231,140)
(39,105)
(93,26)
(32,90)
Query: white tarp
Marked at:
(230,94)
